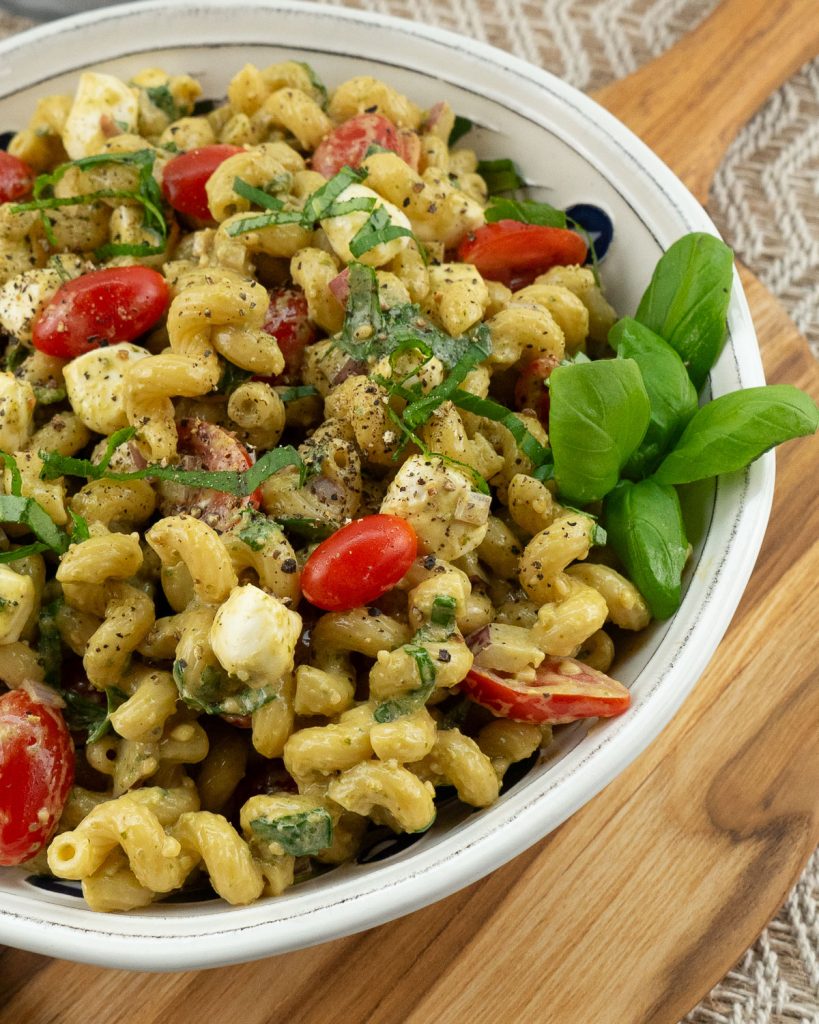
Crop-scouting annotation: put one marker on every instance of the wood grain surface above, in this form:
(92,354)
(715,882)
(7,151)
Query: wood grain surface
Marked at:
(637,905)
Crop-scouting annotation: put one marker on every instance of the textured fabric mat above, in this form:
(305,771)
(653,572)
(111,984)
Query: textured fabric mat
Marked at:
(765,201)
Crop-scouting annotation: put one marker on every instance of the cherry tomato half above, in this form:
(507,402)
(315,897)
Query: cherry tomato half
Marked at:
(348,144)
(288,322)
(563,690)
(515,253)
(359,563)
(16,178)
(36,774)
(185,177)
(204,445)
(530,389)
(100,308)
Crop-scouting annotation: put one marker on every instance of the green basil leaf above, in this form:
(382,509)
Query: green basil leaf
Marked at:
(320,204)
(421,409)
(733,430)
(15,554)
(526,211)
(397,707)
(500,175)
(598,415)
(295,394)
(312,530)
(376,230)
(461,126)
(300,835)
(443,612)
(113,698)
(256,195)
(163,99)
(539,454)
(645,527)
(316,82)
(256,529)
(217,693)
(362,318)
(686,302)
(49,643)
(671,394)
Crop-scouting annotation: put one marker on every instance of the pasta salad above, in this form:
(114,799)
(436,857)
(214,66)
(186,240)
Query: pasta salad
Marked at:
(331,477)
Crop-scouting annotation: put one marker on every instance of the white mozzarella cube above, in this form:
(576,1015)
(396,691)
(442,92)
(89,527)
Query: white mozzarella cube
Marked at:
(17,403)
(438,501)
(16,603)
(95,383)
(23,297)
(103,106)
(254,636)
(342,229)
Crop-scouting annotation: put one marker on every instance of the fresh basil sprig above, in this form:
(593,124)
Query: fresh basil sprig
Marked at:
(733,430)
(686,302)
(599,412)
(645,527)
(671,394)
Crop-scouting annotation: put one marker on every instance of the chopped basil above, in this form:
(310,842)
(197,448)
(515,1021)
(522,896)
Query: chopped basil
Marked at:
(316,82)
(500,175)
(148,194)
(232,377)
(48,396)
(163,99)
(113,698)
(79,530)
(312,530)
(407,703)
(233,482)
(256,529)
(526,211)
(443,612)
(295,394)
(215,692)
(539,454)
(299,835)
(462,126)
(377,230)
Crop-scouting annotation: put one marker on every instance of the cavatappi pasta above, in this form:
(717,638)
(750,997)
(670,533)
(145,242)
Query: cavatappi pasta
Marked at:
(322,312)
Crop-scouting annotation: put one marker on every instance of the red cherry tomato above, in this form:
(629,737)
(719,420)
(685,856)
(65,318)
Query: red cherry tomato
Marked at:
(185,177)
(359,563)
(563,691)
(515,253)
(530,389)
(348,144)
(204,445)
(16,178)
(100,308)
(36,774)
(287,321)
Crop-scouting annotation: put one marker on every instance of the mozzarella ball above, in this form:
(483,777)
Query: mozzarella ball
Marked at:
(103,106)
(254,636)
(342,229)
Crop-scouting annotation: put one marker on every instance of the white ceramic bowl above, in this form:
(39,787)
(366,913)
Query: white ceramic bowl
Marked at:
(573,151)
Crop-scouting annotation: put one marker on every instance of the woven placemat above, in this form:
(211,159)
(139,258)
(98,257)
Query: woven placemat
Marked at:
(764,201)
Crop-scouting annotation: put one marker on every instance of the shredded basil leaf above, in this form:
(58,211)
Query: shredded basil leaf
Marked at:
(443,612)
(500,175)
(397,707)
(526,211)
(421,409)
(256,529)
(113,698)
(462,126)
(301,834)
(377,230)
(539,454)
(311,530)
(163,99)
(294,394)
(316,82)
(148,194)
(228,481)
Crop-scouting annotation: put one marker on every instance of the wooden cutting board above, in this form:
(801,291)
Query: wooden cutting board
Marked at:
(634,908)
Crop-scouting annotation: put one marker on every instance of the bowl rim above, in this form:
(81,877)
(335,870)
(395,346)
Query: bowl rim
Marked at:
(397,889)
